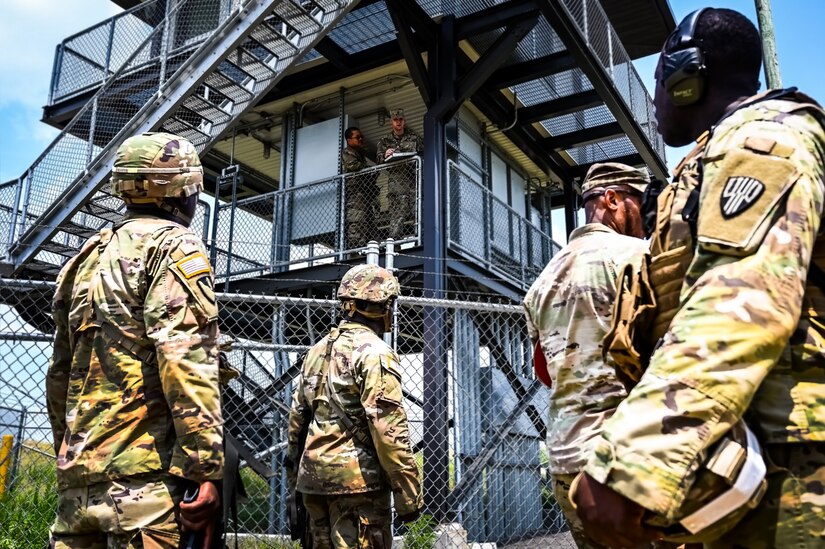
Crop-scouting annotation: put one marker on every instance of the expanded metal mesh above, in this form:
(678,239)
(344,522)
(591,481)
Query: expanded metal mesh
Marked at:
(467,363)
(604,42)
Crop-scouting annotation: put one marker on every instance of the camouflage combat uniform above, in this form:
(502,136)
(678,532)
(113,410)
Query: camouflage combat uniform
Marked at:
(568,311)
(401,186)
(132,388)
(747,338)
(345,483)
(361,210)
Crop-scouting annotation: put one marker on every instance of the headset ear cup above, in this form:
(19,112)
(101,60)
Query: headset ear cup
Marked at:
(683,76)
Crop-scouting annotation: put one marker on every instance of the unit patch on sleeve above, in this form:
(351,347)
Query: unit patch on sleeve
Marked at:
(193,265)
(739,194)
(739,198)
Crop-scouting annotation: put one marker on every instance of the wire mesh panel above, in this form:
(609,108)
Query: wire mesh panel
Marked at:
(485,228)
(320,221)
(497,491)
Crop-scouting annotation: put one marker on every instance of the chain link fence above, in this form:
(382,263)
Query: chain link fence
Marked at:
(467,363)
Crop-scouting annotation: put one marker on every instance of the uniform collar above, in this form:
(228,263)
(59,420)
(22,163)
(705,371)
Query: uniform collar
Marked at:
(588,229)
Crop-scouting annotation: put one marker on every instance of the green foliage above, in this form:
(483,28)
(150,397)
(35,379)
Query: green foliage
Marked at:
(27,509)
(253,513)
(421,534)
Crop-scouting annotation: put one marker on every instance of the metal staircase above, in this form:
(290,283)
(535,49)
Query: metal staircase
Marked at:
(179,80)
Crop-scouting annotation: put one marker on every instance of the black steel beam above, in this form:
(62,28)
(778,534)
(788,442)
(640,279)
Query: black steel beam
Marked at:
(401,18)
(525,71)
(634,159)
(490,60)
(561,106)
(333,53)
(443,75)
(416,18)
(569,33)
(493,18)
(584,137)
(469,270)
(324,73)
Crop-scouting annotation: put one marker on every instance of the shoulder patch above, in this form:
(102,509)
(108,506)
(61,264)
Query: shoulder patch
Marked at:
(193,265)
(739,194)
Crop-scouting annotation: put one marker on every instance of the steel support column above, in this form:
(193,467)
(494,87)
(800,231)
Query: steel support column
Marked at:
(442,71)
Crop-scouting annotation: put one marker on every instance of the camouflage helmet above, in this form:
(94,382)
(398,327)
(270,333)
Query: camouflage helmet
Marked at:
(152,166)
(368,283)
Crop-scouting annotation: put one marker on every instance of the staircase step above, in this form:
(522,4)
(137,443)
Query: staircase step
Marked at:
(298,18)
(42,269)
(271,38)
(60,249)
(206,109)
(184,129)
(228,87)
(77,229)
(250,64)
(105,207)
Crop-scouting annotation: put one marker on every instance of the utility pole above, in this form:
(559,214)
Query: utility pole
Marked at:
(771,60)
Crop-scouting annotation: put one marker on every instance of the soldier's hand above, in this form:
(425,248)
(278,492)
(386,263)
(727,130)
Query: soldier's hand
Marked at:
(388,153)
(610,518)
(199,516)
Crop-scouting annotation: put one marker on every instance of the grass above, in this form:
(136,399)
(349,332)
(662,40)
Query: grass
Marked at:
(28,507)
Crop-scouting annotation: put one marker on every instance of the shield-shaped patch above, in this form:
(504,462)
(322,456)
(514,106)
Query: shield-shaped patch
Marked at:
(739,194)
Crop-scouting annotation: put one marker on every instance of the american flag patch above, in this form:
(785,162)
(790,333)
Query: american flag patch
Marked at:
(193,265)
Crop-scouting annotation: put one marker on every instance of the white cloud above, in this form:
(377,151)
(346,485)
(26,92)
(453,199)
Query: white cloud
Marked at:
(29,32)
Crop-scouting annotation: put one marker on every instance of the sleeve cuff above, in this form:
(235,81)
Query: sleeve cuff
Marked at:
(635,477)
(199,456)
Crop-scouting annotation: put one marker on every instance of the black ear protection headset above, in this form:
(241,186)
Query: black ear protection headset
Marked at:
(683,64)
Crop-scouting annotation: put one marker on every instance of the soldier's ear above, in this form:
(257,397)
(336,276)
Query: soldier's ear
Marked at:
(611,199)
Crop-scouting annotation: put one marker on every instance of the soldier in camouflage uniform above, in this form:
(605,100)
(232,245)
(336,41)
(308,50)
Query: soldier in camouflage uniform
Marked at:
(362,196)
(740,228)
(357,449)
(568,310)
(401,186)
(132,388)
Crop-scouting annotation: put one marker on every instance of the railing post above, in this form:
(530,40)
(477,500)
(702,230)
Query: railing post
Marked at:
(90,146)
(109,50)
(15,212)
(57,68)
(164,42)
(372,252)
(389,264)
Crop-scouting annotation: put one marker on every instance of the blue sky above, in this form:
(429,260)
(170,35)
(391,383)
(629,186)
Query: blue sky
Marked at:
(31,29)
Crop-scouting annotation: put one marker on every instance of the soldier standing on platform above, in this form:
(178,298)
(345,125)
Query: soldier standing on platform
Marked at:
(361,204)
(402,192)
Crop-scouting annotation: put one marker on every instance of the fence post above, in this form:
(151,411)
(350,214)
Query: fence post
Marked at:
(5,457)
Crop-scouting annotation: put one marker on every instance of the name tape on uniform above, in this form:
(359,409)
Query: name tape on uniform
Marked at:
(193,265)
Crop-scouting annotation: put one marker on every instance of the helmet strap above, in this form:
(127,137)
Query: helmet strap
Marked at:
(159,204)
(351,308)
